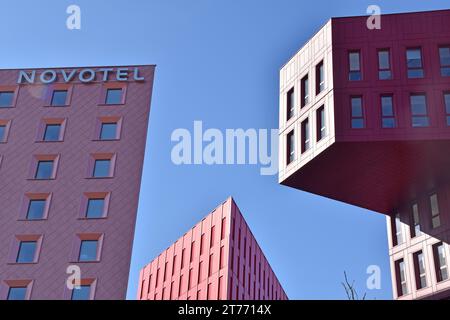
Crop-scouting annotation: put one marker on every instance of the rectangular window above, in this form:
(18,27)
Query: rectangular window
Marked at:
(27,252)
(290,103)
(400,268)
(202,243)
(190,282)
(435,215)
(447,107)
(52,132)
(88,250)
(59,98)
(222,257)
(290,147)
(102,168)
(321,124)
(82,293)
(354,60)
(384,65)
(440,262)
(174,263)
(211,265)
(166,266)
(6,99)
(191,258)
(305,91)
(108,131)
(36,209)
(223,228)
(2,133)
(357,113)
(113,96)
(414,63)
(95,208)
(183,252)
(419,111)
(419,269)
(415,227)
(320,78)
(213,235)
(397,230)
(44,170)
(387,112)
(444,56)
(17,293)
(305,136)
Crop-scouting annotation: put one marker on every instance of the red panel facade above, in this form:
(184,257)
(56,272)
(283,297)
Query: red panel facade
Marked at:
(207,263)
(56,235)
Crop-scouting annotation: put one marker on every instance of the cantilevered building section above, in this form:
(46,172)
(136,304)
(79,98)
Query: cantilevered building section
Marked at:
(72,146)
(218,259)
(365,119)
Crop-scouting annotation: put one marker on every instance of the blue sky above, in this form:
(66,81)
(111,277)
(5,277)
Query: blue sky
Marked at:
(217,61)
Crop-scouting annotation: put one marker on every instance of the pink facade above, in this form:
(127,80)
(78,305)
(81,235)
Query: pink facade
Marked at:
(372,128)
(71,160)
(218,259)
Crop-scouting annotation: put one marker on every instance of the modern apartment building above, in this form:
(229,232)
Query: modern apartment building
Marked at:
(72,145)
(364,119)
(218,259)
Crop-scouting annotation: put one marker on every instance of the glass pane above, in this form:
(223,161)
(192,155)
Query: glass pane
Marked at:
(27,250)
(82,293)
(17,293)
(385,75)
(388,123)
(2,133)
(418,122)
(44,170)
(59,98)
(88,250)
(436,221)
(448,121)
(354,61)
(354,76)
(114,96)
(415,73)
(108,131)
(6,99)
(414,58)
(101,168)
(434,205)
(357,107)
(447,102)
(52,132)
(357,123)
(386,106)
(36,209)
(445,72)
(383,60)
(95,208)
(398,229)
(444,54)
(418,105)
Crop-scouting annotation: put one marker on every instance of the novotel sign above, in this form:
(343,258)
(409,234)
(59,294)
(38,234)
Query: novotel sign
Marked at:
(84,75)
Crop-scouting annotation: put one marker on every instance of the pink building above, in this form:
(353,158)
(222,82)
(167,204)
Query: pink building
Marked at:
(364,119)
(71,152)
(218,259)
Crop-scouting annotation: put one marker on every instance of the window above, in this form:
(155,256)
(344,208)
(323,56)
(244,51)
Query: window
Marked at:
(27,252)
(415,227)
(321,124)
(213,235)
(88,250)
(2,133)
(397,230)
(102,168)
(440,262)
(357,113)
(6,99)
(435,216)
(384,65)
(108,131)
(354,61)
(81,293)
(320,78)
(305,136)
(211,265)
(202,243)
(223,228)
(419,111)
(305,91)
(59,98)
(387,112)
(17,293)
(36,209)
(191,257)
(95,208)
(400,269)
(290,103)
(419,269)
(444,55)
(447,107)
(44,170)
(414,63)
(290,147)
(52,132)
(113,96)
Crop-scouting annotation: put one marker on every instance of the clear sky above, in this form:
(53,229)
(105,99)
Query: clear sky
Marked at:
(217,61)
